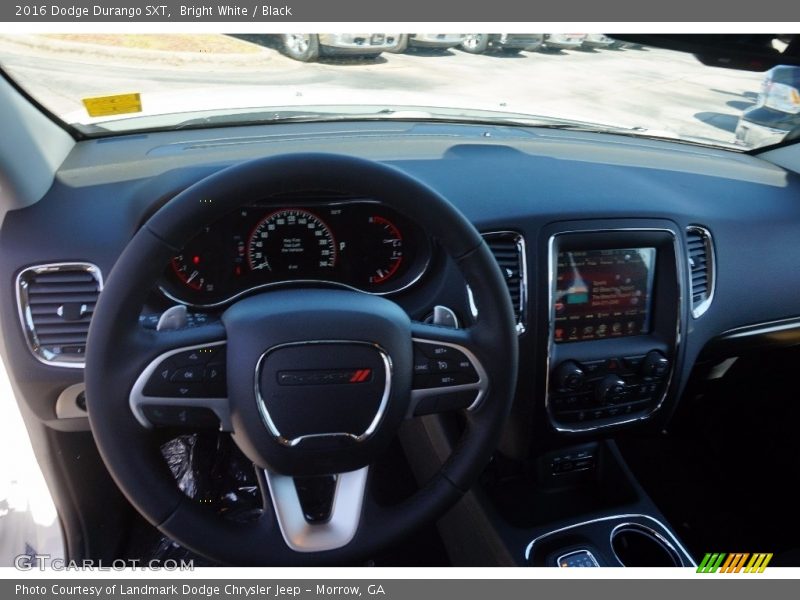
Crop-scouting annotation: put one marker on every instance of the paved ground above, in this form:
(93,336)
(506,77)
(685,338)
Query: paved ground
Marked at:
(660,90)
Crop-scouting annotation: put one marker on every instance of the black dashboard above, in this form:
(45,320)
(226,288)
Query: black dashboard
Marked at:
(568,200)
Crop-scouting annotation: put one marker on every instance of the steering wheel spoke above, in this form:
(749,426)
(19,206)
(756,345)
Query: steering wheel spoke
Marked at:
(447,372)
(317,513)
(184,385)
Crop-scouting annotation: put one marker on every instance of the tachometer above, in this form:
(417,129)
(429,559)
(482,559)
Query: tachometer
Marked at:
(291,242)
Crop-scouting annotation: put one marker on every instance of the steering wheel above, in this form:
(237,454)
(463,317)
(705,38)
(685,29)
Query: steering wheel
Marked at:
(318,379)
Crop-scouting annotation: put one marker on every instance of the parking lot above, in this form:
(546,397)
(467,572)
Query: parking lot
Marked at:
(666,92)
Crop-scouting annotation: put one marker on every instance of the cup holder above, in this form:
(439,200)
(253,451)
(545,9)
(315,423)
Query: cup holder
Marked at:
(635,545)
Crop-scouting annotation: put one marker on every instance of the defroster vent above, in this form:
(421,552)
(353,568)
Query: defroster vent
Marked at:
(56,303)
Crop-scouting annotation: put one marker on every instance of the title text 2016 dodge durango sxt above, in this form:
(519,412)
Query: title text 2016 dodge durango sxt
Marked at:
(401,334)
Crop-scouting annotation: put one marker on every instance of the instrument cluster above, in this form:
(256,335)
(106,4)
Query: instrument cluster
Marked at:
(361,244)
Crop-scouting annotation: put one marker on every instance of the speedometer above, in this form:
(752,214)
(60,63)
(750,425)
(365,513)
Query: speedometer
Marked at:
(291,242)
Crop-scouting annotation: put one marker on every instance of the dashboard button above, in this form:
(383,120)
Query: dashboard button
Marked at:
(594,368)
(576,401)
(569,376)
(655,364)
(632,363)
(612,390)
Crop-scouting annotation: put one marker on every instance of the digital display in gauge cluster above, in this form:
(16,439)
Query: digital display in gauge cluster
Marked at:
(361,244)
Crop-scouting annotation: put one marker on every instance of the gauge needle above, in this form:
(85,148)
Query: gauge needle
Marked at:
(192,276)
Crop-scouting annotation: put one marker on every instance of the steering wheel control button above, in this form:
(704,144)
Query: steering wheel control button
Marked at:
(441,366)
(437,351)
(188,374)
(193,417)
(214,373)
(197,373)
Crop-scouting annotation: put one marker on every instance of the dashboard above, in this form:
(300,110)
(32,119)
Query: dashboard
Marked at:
(604,229)
(360,244)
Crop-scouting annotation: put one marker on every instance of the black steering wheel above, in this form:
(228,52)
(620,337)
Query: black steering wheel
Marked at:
(318,380)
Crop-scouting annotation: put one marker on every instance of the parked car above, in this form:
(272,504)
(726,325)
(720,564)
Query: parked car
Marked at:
(563,41)
(478,43)
(776,114)
(441,41)
(308,47)
(598,40)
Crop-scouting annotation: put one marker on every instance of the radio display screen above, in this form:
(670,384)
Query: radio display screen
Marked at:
(603,294)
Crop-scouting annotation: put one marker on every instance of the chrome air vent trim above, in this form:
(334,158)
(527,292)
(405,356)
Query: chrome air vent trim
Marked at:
(85,290)
(701,266)
(520,303)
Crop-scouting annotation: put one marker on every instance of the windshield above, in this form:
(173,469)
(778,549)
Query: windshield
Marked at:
(108,84)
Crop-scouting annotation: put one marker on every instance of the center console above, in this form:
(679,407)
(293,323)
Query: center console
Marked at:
(619,540)
(614,325)
(611,313)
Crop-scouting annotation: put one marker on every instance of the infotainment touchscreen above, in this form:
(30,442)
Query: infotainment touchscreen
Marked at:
(603,293)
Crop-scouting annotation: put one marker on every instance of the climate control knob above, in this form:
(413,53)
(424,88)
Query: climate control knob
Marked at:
(611,390)
(654,364)
(569,376)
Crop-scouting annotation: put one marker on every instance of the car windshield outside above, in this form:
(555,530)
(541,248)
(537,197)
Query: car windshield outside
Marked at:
(107,84)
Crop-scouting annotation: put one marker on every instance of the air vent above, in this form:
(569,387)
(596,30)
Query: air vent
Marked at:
(700,250)
(508,248)
(56,303)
